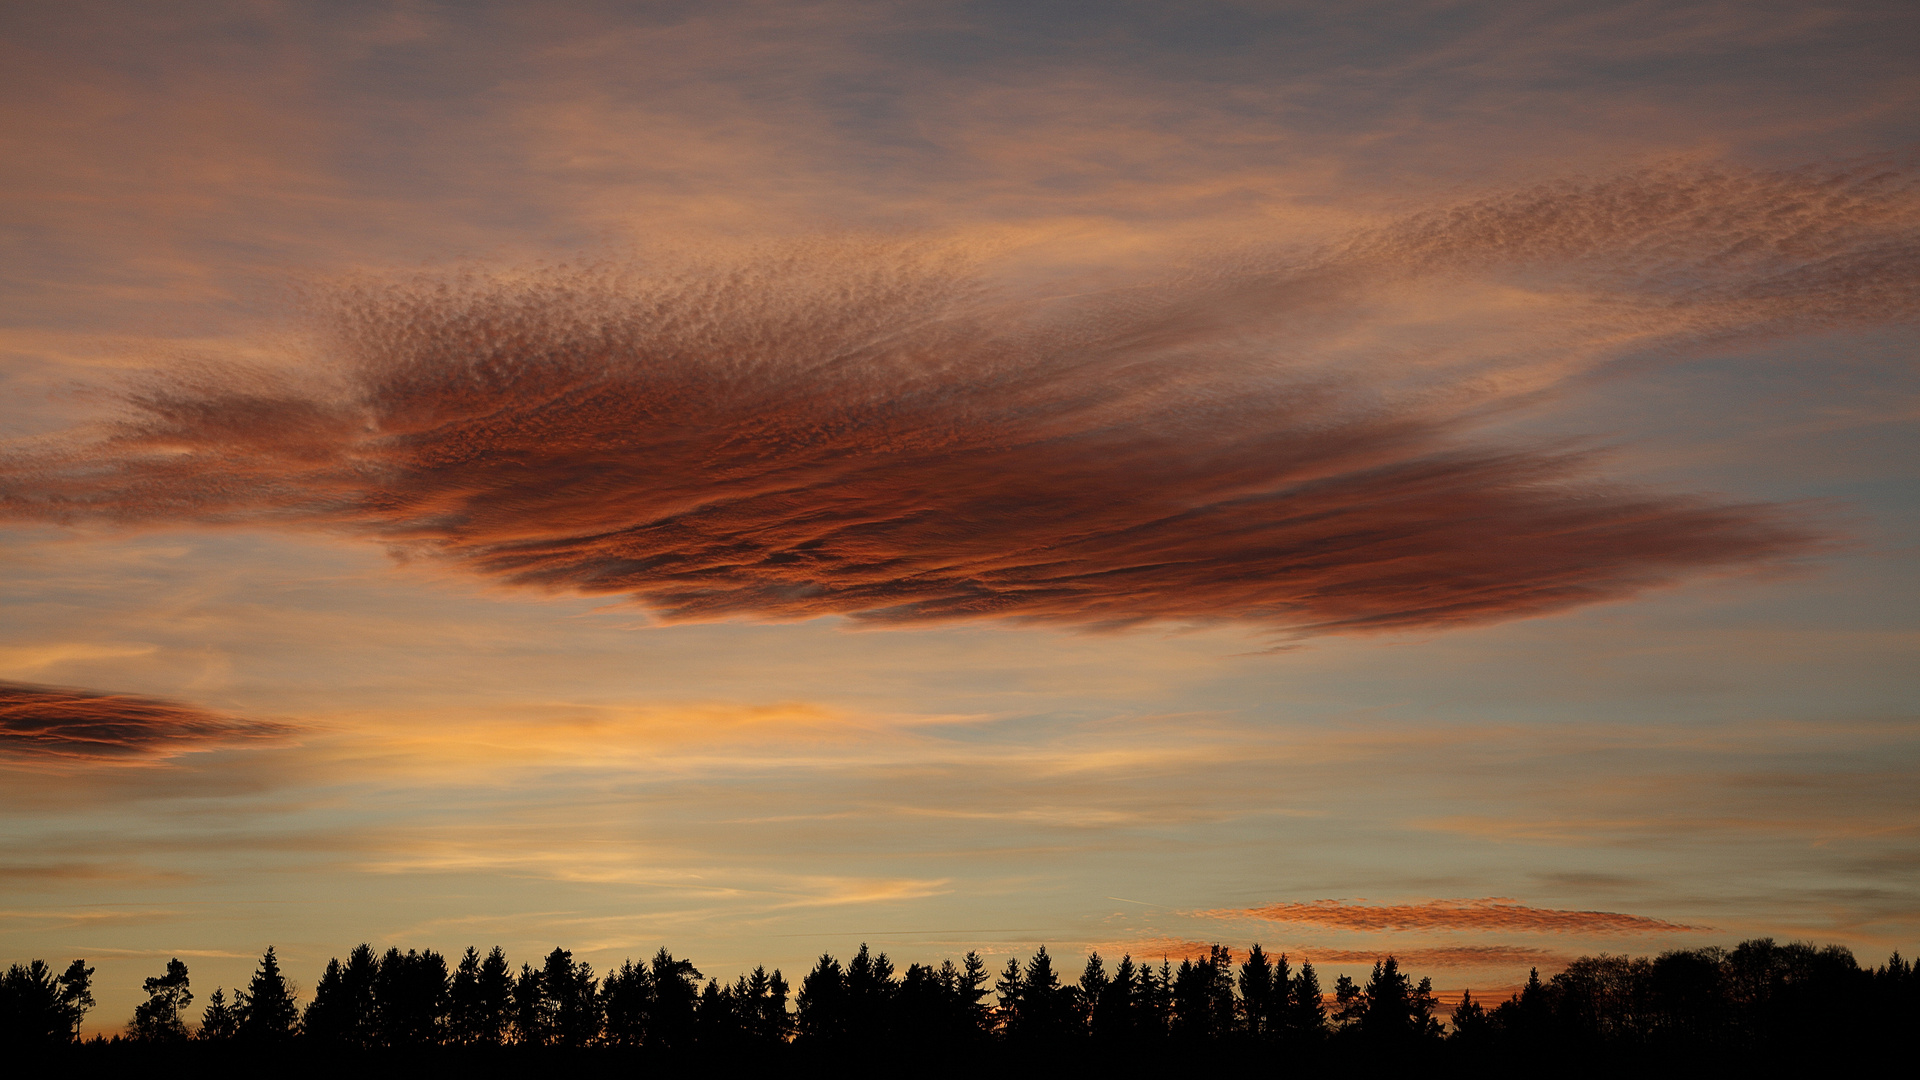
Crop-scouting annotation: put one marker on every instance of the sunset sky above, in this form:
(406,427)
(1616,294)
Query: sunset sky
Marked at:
(1430,479)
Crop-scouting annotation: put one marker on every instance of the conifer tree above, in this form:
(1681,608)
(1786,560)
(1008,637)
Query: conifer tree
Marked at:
(626,1003)
(1469,1020)
(1256,994)
(411,998)
(463,1000)
(1092,988)
(1114,1018)
(494,1018)
(267,1011)
(822,1006)
(532,1010)
(1309,1015)
(1011,992)
(218,1022)
(973,994)
(572,995)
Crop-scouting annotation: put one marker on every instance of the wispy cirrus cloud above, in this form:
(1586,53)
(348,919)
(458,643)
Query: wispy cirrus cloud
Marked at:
(53,723)
(1493,914)
(877,431)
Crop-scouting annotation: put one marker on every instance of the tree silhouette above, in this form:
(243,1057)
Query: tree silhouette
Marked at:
(40,1009)
(532,1010)
(626,1005)
(1389,1012)
(343,1011)
(1259,1012)
(493,1015)
(1307,1014)
(763,1001)
(465,1007)
(1764,1003)
(823,1003)
(218,1022)
(1471,1027)
(157,1019)
(676,988)
(412,998)
(870,990)
(1092,988)
(572,992)
(973,994)
(1114,1021)
(266,1008)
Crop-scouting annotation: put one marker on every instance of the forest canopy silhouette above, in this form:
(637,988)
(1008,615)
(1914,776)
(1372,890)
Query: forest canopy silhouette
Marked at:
(1758,998)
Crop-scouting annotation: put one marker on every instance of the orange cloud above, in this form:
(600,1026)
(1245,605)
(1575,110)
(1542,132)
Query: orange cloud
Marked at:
(871,432)
(58,723)
(1445,956)
(1147,951)
(1488,914)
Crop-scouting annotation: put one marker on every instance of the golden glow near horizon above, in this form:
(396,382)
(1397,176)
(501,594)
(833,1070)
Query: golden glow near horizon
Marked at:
(756,479)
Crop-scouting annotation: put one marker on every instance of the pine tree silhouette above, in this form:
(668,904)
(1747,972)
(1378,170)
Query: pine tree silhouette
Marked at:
(157,1019)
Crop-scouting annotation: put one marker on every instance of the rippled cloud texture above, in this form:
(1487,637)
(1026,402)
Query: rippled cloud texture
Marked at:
(1490,914)
(54,724)
(878,431)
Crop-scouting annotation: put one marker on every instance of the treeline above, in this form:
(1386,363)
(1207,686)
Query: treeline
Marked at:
(1760,998)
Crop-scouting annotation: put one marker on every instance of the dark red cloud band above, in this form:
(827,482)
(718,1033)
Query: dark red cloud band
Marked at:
(53,723)
(868,434)
(1477,915)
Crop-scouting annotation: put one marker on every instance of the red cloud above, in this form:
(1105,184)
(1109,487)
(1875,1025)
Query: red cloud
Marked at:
(866,436)
(1444,956)
(54,723)
(1489,914)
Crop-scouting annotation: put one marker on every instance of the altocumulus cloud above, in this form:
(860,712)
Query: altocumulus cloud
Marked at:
(872,432)
(1483,915)
(54,723)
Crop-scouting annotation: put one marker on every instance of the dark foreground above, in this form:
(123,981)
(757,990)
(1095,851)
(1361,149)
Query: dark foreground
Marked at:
(1760,1007)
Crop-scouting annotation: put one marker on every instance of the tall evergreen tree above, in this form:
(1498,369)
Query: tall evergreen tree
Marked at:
(343,1011)
(412,998)
(157,1019)
(532,1009)
(463,1001)
(1047,1011)
(573,992)
(766,1007)
(1115,1018)
(973,994)
(626,1004)
(267,1011)
(870,996)
(1011,992)
(1389,1011)
(218,1022)
(1256,995)
(493,1016)
(1470,1027)
(717,1018)
(1093,987)
(822,1006)
(1308,1014)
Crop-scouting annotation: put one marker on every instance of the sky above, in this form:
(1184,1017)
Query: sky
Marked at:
(1429,479)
